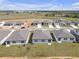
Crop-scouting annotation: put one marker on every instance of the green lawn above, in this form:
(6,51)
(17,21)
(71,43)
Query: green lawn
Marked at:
(71,19)
(24,16)
(56,49)
(66,26)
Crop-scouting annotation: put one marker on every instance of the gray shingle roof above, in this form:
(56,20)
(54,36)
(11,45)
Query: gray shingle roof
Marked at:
(66,21)
(75,31)
(8,23)
(37,21)
(62,34)
(18,35)
(40,34)
(3,34)
(13,22)
(76,21)
(48,21)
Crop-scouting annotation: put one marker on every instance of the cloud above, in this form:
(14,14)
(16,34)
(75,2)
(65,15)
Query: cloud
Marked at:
(1,1)
(56,7)
(7,5)
(75,5)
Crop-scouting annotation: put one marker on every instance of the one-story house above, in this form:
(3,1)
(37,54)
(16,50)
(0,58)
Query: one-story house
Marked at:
(65,22)
(3,34)
(37,23)
(41,36)
(76,23)
(51,24)
(2,23)
(45,23)
(54,23)
(56,20)
(18,23)
(13,23)
(8,24)
(75,32)
(18,37)
(48,23)
(63,36)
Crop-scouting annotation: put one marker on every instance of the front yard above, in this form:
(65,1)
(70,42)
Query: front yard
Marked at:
(41,50)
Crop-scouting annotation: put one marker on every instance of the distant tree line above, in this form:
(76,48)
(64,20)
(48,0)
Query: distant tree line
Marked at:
(73,14)
(64,14)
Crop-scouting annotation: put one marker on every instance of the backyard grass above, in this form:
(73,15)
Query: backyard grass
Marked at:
(67,26)
(71,19)
(43,50)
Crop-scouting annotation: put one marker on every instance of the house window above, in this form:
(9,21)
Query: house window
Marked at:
(53,24)
(49,40)
(42,40)
(18,24)
(35,23)
(76,24)
(32,24)
(35,40)
(22,27)
(65,38)
(45,24)
(8,42)
(13,41)
(42,23)
(76,30)
(59,39)
(7,24)
(22,41)
(71,38)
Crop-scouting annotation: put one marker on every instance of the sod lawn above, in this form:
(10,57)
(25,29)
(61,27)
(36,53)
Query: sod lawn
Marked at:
(43,50)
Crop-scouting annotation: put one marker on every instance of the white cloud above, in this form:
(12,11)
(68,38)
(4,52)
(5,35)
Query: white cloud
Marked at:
(7,5)
(56,7)
(75,6)
(1,1)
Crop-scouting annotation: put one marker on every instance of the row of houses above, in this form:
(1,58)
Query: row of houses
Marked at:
(25,36)
(58,23)
(21,37)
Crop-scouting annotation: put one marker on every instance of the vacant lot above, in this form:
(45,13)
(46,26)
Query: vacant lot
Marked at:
(30,16)
(23,16)
(64,49)
(71,19)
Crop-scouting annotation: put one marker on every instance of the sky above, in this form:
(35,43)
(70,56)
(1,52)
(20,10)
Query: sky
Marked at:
(39,4)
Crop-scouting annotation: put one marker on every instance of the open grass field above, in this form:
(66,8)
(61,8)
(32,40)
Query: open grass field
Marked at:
(23,16)
(71,19)
(41,50)
(27,16)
